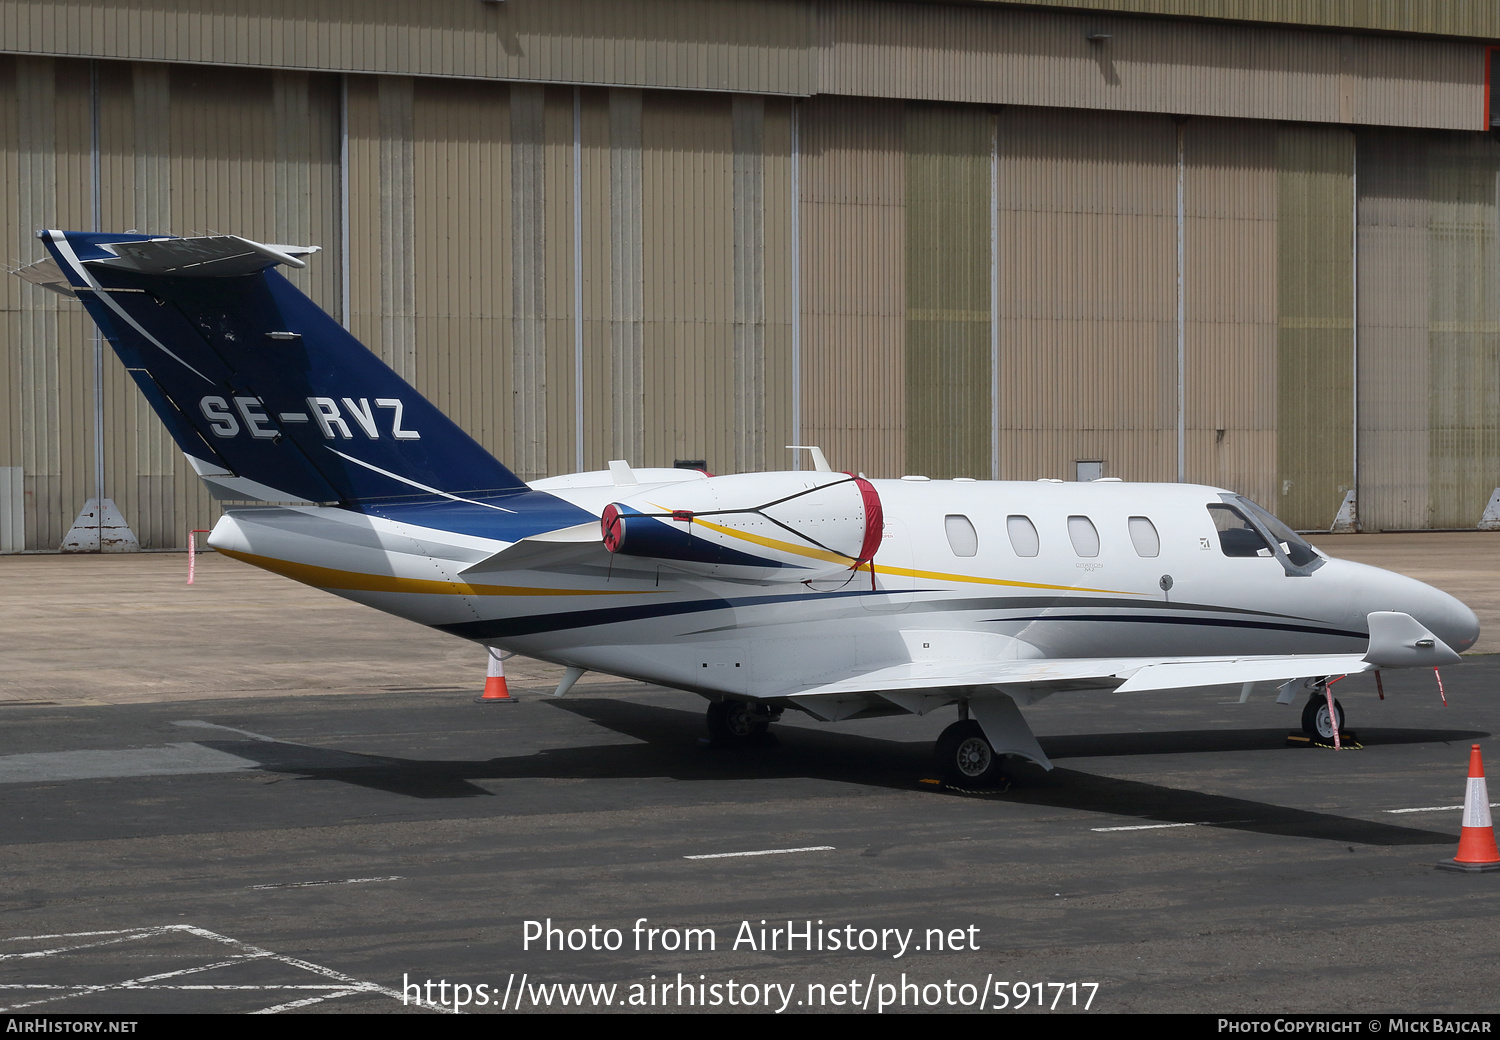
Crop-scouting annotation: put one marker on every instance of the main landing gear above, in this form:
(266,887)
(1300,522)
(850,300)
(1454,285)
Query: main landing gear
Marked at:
(739,723)
(966,758)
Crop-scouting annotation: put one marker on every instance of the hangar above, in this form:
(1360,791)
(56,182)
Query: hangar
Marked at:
(1250,243)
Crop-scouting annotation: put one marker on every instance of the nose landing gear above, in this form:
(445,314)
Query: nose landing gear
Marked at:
(1316,721)
(1323,719)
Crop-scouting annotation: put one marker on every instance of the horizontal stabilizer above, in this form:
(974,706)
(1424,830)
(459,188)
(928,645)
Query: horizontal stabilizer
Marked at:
(581,545)
(48,275)
(218,256)
(589,531)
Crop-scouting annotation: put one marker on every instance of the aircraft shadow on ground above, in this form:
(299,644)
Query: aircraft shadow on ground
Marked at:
(1152,803)
(1178,742)
(671,745)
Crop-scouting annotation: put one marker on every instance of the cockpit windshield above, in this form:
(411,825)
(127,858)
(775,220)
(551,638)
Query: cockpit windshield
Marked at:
(1296,548)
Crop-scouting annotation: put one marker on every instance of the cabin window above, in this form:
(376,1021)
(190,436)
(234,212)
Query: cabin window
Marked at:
(962,538)
(1084,536)
(1023,537)
(1237,535)
(1144,537)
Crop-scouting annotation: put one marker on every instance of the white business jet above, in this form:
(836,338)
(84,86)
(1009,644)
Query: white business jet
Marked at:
(811,590)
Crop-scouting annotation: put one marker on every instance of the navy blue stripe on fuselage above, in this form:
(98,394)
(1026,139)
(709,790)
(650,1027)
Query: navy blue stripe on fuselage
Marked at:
(501,628)
(506,517)
(1195,621)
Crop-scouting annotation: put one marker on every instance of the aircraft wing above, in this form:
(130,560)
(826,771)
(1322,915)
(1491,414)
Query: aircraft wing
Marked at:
(995,690)
(1396,641)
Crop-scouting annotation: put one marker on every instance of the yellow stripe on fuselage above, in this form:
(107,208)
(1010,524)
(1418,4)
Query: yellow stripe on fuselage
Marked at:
(356,581)
(773,543)
(828,557)
(976,580)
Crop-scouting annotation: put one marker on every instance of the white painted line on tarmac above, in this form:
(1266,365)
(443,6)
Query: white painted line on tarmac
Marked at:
(1436,808)
(1146,827)
(334,983)
(200,724)
(120,936)
(315,884)
(305,1001)
(762,852)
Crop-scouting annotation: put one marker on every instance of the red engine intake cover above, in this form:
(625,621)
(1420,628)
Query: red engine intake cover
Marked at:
(874,520)
(614,528)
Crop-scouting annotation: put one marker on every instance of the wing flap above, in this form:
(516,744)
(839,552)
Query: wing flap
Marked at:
(1121,674)
(1180,675)
(1070,673)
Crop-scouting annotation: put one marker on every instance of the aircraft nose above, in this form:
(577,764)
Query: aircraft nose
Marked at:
(1459,627)
(1370,589)
(1445,616)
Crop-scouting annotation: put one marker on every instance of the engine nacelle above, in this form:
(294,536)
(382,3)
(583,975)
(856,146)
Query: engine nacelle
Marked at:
(764,527)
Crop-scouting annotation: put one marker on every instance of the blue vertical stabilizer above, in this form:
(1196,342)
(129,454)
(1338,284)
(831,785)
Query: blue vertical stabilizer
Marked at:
(269,396)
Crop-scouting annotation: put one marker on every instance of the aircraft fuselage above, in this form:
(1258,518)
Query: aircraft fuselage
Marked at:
(966,570)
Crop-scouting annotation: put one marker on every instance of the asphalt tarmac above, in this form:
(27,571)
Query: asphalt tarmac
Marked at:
(246,795)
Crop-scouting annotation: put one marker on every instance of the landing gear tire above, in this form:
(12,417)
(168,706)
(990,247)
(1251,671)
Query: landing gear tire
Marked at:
(735,723)
(966,758)
(1315,721)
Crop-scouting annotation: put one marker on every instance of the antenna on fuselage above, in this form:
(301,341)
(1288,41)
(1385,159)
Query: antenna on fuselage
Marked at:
(820,464)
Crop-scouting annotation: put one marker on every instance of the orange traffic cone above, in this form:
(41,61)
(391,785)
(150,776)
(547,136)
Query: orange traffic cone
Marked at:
(495,690)
(1476,843)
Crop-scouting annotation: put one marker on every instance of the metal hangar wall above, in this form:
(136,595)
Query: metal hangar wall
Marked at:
(1257,250)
